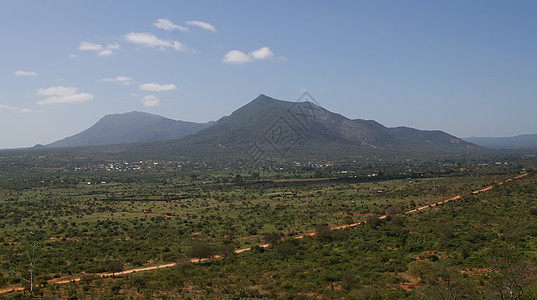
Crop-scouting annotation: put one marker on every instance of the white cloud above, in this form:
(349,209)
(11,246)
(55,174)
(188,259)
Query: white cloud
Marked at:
(74,98)
(169,26)
(236,57)
(146,39)
(27,110)
(201,24)
(57,91)
(106,52)
(60,94)
(150,101)
(262,53)
(7,107)
(239,57)
(155,87)
(102,50)
(87,46)
(151,41)
(25,73)
(114,46)
(178,46)
(119,79)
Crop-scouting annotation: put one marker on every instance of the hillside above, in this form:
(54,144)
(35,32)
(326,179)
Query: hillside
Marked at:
(132,127)
(263,128)
(276,129)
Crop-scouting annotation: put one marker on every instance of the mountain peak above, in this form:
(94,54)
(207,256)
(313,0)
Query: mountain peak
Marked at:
(263,98)
(131,127)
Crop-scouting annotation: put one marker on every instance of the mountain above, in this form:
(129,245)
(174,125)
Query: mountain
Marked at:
(132,127)
(522,142)
(267,126)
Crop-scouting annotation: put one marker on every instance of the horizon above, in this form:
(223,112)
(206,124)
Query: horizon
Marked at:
(463,68)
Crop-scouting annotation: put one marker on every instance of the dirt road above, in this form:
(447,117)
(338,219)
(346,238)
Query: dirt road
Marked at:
(75,279)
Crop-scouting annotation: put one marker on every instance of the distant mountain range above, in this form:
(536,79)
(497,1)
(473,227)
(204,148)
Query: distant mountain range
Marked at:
(265,126)
(132,127)
(524,142)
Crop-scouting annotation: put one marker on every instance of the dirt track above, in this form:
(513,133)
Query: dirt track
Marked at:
(75,279)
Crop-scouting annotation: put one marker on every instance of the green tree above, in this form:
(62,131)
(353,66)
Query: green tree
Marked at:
(272,238)
(348,220)
(201,249)
(421,269)
(114,266)
(286,248)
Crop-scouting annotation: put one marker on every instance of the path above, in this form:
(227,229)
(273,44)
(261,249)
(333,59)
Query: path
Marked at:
(237,251)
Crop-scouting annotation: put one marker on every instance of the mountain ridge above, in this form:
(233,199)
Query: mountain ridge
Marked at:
(274,127)
(131,127)
(518,142)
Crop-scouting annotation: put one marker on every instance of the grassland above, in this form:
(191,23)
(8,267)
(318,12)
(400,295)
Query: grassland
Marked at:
(82,218)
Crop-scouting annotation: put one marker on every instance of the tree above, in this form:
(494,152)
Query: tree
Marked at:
(286,248)
(421,269)
(373,220)
(27,274)
(323,232)
(509,277)
(2,280)
(114,266)
(348,220)
(446,283)
(348,280)
(442,189)
(182,263)
(271,238)
(393,210)
(201,249)
(225,250)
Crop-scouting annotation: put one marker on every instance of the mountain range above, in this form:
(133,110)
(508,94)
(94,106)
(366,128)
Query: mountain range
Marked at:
(519,142)
(263,127)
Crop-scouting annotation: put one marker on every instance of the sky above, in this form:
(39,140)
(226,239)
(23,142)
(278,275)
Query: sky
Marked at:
(465,67)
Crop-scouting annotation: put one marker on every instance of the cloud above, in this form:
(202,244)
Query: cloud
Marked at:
(239,57)
(150,101)
(262,53)
(57,91)
(151,41)
(146,39)
(119,79)
(25,73)
(27,110)
(106,53)
(169,26)
(155,87)
(7,107)
(21,110)
(236,57)
(60,94)
(102,50)
(87,46)
(201,24)
(178,46)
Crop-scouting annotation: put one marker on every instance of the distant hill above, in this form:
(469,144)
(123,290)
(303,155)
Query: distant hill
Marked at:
(277,126)
(132,127)
(522,142)
(265,127)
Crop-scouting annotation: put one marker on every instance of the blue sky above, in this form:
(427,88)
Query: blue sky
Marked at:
(466,67)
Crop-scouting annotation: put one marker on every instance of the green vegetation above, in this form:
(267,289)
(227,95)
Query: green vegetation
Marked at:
(90,217)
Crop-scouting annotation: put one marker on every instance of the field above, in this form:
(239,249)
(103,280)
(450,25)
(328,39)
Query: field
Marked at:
(76,222)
